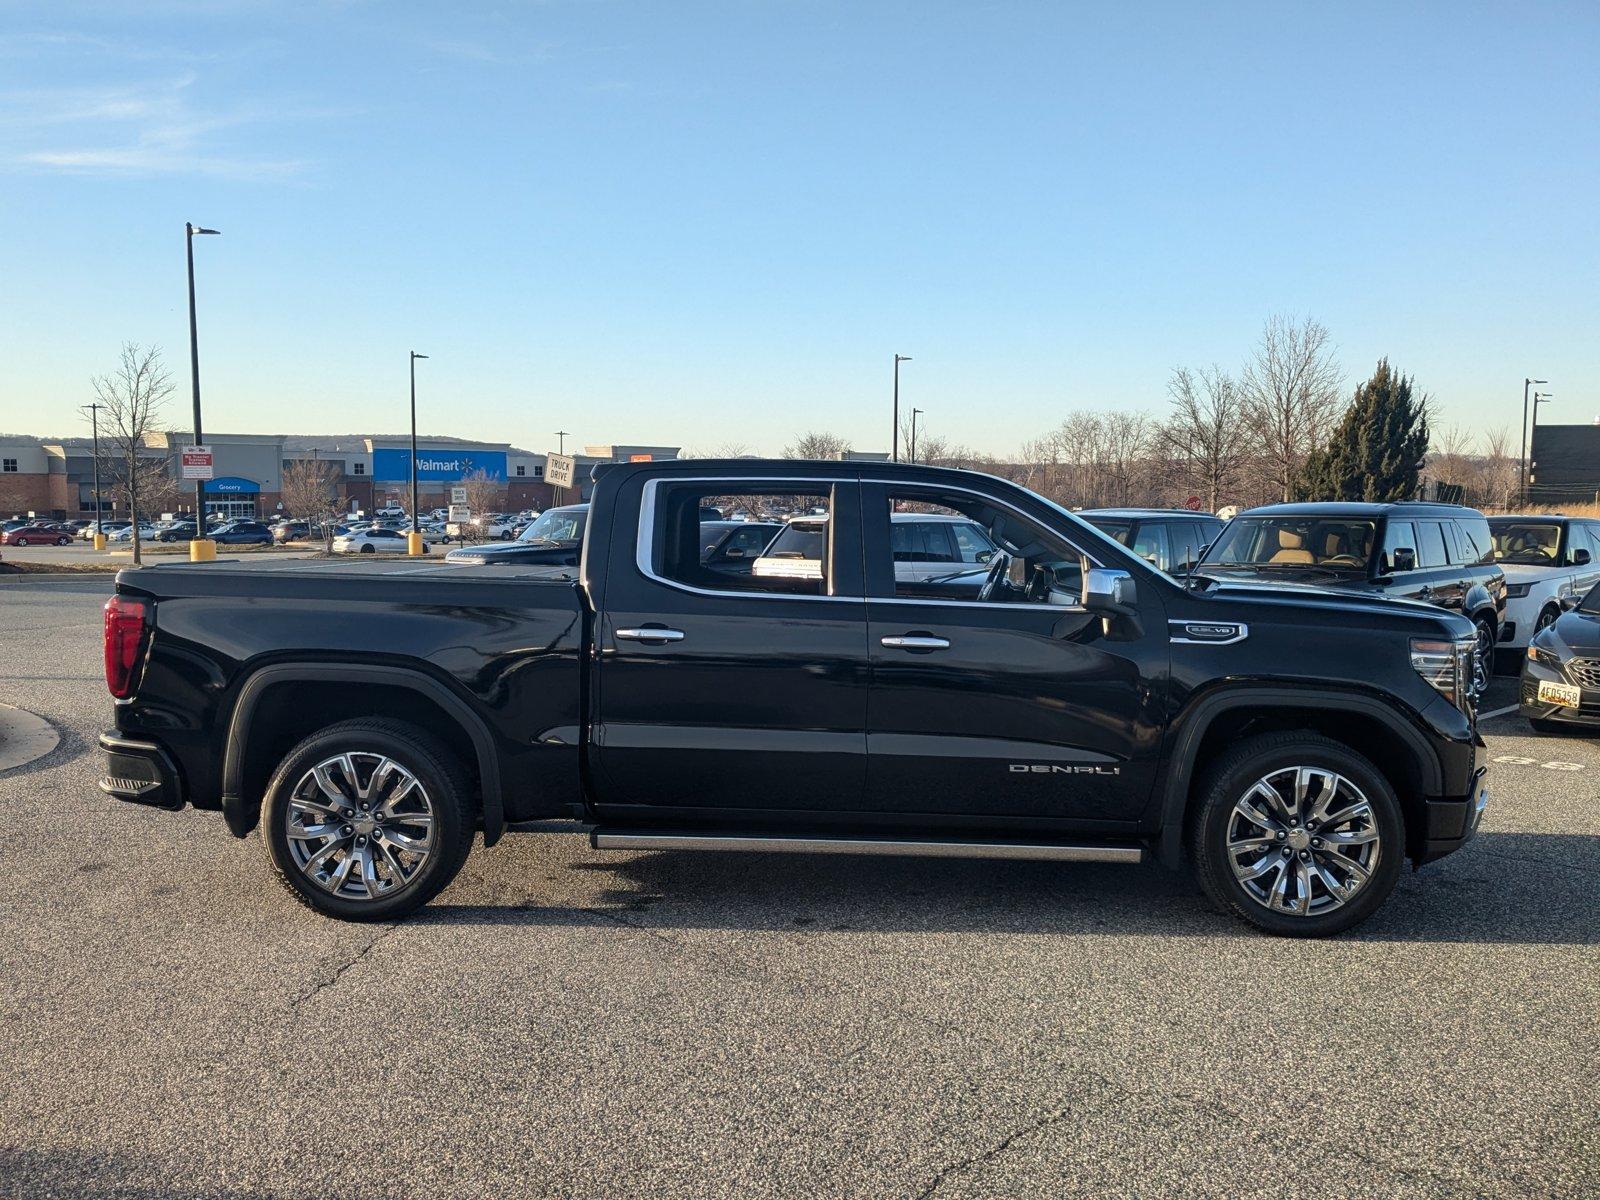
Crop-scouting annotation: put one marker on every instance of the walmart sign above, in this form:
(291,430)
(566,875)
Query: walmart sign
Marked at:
(438,466)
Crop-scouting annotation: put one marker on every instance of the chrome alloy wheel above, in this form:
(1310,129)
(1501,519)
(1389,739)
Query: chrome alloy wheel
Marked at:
(1302,841)
(360,826)
(1482,659)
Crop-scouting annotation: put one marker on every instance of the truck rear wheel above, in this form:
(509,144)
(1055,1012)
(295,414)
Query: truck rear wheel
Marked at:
(368,820)
(1297,834)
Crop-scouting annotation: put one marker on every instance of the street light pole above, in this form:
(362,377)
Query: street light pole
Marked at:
(1533,432)
(915,413)
(201,548)
(1522,448)
(895,441)
(414,544)
(94,427)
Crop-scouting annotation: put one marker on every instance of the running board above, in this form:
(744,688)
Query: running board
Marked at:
(602,839)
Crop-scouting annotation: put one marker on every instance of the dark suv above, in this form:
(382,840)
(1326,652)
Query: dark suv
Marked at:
(1171,538)
(1440,554)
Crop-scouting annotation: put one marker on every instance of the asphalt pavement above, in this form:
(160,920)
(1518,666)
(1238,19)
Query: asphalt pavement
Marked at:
(563,1022)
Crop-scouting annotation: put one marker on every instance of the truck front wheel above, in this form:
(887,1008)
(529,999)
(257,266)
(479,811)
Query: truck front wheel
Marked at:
(368,820)
(1297,834)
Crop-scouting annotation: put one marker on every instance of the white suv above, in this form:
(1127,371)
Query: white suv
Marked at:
(925,545)
(1548,560)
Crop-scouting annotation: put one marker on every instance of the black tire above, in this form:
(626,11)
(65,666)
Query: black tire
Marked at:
(1230,776)
(366,550)
(436,769)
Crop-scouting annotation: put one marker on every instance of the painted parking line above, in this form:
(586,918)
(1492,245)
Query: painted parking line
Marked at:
(1499,712)
(1521,760)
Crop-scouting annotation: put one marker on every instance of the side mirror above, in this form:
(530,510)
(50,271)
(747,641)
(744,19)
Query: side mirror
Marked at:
(1580,557)
(1109,591)
(1405,559)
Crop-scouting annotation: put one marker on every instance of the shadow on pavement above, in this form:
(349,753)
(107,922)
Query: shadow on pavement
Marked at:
(1512,888)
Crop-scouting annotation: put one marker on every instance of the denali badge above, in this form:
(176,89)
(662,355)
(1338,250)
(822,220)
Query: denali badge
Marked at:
(1058,769)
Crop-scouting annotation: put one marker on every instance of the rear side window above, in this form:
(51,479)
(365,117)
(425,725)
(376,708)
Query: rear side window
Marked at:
(798,561)
(1431,552)
(1150,544)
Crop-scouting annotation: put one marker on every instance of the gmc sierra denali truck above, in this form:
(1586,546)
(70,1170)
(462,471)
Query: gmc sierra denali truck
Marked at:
(1054,697)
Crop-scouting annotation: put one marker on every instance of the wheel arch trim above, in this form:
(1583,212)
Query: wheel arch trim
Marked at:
(1192,728)
(241,819)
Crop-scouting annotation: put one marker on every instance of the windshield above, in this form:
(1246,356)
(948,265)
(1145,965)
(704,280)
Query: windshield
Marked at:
(807,539)
(1318,543)
(557,525)
(1527,542)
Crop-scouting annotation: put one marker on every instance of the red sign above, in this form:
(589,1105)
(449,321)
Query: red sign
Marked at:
(1192,503)
(196,462)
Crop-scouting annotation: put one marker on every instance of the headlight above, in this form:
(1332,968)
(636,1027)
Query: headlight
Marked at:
(1516,591)
(1447,666)
(1544,658)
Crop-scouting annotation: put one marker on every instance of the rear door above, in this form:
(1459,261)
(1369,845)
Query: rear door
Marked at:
(1009,711)
(1445,583)
(716,691)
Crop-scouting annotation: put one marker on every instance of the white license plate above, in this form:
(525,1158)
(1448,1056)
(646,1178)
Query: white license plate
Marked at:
(1563,694)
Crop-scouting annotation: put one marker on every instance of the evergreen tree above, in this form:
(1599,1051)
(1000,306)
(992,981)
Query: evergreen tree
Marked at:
(1376,452)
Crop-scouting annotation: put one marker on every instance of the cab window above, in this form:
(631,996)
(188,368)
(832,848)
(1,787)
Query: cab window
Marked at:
(797,561)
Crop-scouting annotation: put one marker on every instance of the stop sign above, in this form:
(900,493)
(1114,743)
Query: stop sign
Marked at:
(1192,503)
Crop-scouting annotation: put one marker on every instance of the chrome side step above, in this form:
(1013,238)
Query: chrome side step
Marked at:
(602,839)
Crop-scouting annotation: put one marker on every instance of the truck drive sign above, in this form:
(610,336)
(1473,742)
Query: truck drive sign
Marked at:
(197,462)
(559,470)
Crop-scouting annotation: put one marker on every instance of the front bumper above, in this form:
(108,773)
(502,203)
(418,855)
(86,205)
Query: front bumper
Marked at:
(140,772)
(1529,705)
(1453,822)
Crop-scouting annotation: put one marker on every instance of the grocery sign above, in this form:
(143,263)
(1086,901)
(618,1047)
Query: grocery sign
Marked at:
(439,466)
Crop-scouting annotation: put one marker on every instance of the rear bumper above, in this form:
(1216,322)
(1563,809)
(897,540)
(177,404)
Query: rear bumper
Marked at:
(1452,822)
(140,772)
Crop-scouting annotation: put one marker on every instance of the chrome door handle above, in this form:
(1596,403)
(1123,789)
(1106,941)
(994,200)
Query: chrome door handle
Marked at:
(649,635)
(913,641)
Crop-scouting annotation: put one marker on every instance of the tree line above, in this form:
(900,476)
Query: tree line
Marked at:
(1280,427)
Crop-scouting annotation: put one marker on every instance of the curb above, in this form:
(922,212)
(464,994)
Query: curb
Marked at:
(24,737)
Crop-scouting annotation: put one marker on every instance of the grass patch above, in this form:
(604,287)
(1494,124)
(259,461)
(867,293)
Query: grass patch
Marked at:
(97,567)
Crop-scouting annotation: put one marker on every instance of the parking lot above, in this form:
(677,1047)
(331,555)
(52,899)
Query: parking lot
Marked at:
(563,1022)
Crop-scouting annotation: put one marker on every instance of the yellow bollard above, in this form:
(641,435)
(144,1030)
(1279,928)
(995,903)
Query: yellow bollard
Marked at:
(99,540)
(415,546)
(202,550)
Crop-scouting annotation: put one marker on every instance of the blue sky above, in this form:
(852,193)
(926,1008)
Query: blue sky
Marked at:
(697,223)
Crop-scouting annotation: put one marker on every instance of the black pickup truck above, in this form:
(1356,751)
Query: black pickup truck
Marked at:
(1072,703)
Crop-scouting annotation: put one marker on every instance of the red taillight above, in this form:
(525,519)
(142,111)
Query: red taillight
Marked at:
(124,643)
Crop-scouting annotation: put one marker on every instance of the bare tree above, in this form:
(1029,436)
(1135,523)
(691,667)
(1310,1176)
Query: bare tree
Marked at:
(817,445)
(1205,433)
(1500,473)
(724,450)
(306,488)
(1292,396)
(131,397)
(484,493)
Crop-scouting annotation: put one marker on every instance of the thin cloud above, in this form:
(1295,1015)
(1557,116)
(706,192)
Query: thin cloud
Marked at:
(143,129)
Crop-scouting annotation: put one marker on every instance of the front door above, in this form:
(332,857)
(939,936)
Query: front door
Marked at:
(1011,705)
(719,689)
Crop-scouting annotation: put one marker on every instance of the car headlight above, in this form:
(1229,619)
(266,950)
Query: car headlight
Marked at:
(1447,667)
(1516,591)
(1544,657)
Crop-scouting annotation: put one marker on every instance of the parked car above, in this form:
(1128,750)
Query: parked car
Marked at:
(290,531)
(106,527)
(36,534)
(1440,554)
(733,546)
(1560,685)
(555,539)
(147,533)
(1548,561)
(390,510)
(371,541)
(1295,746)
(946,551)
(1171,538)
(176,531)
(242,533)
(496,525)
